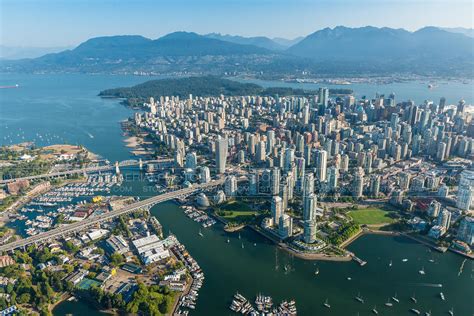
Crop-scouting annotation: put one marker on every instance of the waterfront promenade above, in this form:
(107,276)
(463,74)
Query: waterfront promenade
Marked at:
(78,226)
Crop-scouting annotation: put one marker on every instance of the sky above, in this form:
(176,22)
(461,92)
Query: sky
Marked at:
(59,23)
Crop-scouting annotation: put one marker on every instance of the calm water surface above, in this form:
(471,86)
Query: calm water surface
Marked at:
(66,108)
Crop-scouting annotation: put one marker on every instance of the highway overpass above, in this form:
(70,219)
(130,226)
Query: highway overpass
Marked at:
(92,221)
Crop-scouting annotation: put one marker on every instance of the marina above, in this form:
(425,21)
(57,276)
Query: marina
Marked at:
(198,216)
(263,306)
(188,300)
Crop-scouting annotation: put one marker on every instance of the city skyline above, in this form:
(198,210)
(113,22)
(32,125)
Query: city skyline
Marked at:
(53,23)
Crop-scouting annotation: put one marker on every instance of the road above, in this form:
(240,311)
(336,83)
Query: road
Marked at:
(79,226)
(126,163)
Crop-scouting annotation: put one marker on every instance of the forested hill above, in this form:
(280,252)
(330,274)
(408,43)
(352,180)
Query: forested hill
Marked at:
(201,86)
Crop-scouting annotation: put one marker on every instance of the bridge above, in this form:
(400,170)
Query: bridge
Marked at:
(108,167)
(92,221)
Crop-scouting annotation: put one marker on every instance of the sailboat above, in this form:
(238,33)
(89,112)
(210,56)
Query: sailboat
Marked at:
(413,298)
(359,298)
(389,304)
(317,271)
(375,311)
(326,304)
(390,264)
(451,312)
(395,298)
(422,271)
(200,233)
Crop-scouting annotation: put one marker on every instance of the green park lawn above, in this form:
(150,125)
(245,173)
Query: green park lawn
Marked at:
(372,216)
(235,210)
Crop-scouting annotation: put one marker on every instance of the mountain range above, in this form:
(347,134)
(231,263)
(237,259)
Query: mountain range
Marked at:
(337,51)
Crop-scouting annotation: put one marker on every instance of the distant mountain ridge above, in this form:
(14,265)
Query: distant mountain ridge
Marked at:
(337,51)
(259,41)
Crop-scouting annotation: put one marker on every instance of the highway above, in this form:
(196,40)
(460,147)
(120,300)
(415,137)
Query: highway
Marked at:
(91,221)
(126,163)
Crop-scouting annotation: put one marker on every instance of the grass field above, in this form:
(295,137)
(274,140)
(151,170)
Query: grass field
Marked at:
(372,216)
(236,210)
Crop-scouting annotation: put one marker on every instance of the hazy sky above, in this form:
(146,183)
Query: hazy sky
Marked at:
(47,23)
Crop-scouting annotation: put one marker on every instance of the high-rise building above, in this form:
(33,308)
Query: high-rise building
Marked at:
(466,230)
(333,176)
(321,165)
(444,219)
(375,185)
(261,151)
(289,158)
(275,181)
(270,140)
(309,231)
(308,186)
(191,160)
(434,208)
(253,184)
(404,181)
(205,175)
(465,197)
(230,186)
(221,154)
(277,209)
(309,209)
(285,226)
(300,170)
(358,183)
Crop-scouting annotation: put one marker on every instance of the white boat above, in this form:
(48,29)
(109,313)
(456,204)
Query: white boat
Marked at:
(441,294)
(326,304)
(228,241)
(389,304)
(349,278)
(413,310)
(316,272)
(200,233)
(451,312)
(390,264)
(428,313)
(375,311)
(413,298)
(404,260)
(359,298)
(422,271)
(395,299)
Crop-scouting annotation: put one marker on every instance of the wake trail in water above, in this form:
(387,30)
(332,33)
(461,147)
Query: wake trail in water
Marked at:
(461,268)
(427,284)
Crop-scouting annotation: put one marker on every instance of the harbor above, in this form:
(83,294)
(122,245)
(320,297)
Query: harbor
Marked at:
(198,216)
(263,306)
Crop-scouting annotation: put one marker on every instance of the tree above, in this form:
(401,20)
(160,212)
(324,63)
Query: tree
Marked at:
(116,259)
(24,298)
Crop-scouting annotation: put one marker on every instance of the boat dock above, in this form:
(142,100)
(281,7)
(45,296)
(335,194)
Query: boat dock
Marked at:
(357,259)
